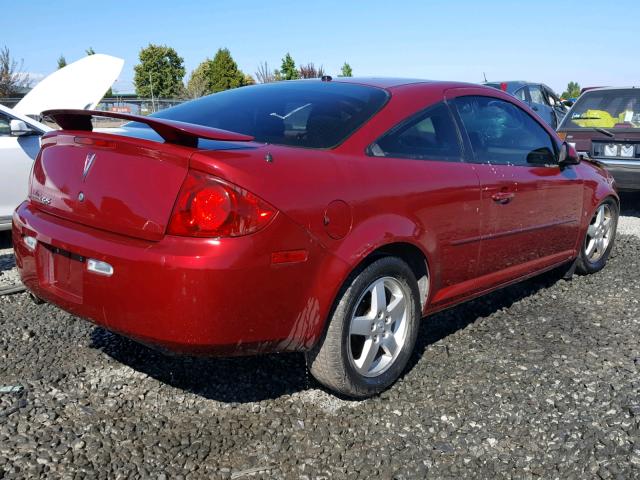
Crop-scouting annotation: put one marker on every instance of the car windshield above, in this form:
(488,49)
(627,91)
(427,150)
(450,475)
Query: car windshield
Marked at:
(308,113)
(616,109)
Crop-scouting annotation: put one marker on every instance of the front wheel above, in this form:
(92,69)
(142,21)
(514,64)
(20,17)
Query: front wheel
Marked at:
(599,238)
(372,331)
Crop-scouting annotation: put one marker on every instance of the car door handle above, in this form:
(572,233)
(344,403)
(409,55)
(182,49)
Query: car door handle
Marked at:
(503,197)
(533,107)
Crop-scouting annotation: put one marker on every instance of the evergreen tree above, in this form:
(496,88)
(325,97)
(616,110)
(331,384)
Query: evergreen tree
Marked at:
(224,73)
(62,62)
(288,69)
(346,70)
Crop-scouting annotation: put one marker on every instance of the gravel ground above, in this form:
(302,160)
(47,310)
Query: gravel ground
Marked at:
(8,274)
(541,380)
(629,223)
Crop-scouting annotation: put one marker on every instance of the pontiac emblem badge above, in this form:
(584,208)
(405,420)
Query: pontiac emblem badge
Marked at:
(88,162)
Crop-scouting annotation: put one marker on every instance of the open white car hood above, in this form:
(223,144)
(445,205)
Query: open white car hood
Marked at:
(79,85)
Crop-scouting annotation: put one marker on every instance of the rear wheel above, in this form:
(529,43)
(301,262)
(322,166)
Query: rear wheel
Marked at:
(372,331)
(599,238)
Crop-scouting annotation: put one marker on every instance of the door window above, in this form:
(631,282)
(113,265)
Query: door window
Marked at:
(431,134)
(502,133)
(521,94)
(5,126)
(536,94)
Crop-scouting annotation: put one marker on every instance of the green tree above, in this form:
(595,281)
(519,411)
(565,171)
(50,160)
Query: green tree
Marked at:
(346,70)
(221,73)
(249,80)
(62,62)
(572,91)
(288,69)
(90,51)
(159,72)
(224,73)
(198,84)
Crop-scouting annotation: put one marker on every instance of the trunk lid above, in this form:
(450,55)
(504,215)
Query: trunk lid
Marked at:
(114,183)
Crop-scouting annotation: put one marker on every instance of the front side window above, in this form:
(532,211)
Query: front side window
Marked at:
(308,113)
(616,109)
(430,135)
(502,133)
(536,94)
(5,126)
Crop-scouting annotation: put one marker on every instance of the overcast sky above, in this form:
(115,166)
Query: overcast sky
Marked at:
(594,43)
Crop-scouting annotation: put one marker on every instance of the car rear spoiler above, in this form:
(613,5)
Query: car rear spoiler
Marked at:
(171,131)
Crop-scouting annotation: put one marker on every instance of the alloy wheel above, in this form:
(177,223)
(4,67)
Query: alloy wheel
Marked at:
(599,233)
(378,327)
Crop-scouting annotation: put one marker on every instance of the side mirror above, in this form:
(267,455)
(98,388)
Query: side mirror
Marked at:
(19,128)
(568,155)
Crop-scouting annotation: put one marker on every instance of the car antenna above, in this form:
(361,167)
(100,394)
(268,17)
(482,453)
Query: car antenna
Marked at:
(485,76)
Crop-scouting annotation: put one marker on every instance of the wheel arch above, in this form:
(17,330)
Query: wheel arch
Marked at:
(407,251)
(410,254)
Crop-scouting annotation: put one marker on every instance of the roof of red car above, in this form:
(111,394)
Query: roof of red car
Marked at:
(391,82)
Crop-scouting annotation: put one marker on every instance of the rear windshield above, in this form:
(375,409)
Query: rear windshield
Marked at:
(311,114)
(616,109)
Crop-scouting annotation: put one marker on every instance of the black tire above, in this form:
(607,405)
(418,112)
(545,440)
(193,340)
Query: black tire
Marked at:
(330,360)
(35,299)
(586,265)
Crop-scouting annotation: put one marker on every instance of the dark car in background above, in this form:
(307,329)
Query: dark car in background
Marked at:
(604,124)
(538,96)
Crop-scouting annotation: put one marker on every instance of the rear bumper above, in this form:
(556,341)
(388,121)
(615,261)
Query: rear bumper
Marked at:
(625,173)
(200,296)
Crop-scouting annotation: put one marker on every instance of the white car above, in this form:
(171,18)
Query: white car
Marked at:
(80,84)
(19,145)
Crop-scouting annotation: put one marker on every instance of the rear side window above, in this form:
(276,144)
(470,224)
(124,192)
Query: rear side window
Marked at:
(429,135)
(308,113)
(521,94)
(502,133)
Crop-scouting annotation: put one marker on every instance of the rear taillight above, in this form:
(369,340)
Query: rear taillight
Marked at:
(503,86)
(208,206)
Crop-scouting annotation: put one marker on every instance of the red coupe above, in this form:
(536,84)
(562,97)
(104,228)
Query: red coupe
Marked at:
(324,216)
